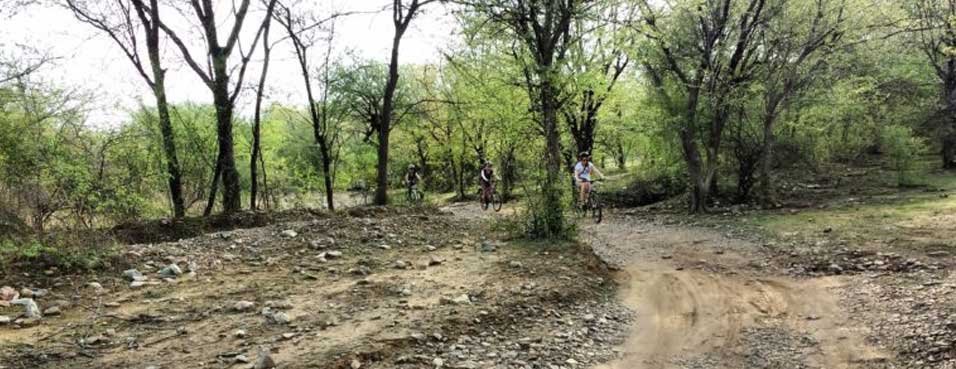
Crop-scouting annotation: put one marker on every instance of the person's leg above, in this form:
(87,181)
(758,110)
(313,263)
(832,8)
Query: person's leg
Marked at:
(581,197)
(585,190)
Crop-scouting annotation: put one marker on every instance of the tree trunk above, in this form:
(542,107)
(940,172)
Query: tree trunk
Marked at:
(948,126)
(169,144)
(214,188)
(162,107)
(327,174)
(766,161)
(257,121)
(385,120)
(231,191)
(700,184)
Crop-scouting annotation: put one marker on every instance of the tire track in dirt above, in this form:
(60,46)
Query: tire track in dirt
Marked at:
(704,300)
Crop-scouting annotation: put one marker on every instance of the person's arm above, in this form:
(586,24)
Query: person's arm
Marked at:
(577,173)
(483,177)
(595,169)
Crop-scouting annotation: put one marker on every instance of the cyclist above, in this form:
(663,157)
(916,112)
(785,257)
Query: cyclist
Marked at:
(582,176)
(486,178)
(412,177)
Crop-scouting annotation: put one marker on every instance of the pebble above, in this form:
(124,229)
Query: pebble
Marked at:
(26,293)
(5,319)
(264,360)
(401,264)
(132,274)
(52,311)
(240,333)
(288,233)
(356,364)
(95,285)
(435,261)
(333,254)
(243,306)
(171,271)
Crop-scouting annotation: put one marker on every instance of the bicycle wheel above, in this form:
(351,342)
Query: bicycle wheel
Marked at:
(496,201)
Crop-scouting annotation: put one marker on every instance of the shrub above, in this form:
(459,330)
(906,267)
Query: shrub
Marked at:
(902,149)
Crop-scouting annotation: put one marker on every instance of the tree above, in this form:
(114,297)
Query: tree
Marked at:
(935,30)
(218,76)
(115,18)
(798,48)
(596,60)
(402,16)
(542,28)
(706,55)
(300,30)
(255,159)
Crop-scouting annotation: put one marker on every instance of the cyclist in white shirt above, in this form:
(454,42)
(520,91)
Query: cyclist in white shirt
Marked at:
(582,176)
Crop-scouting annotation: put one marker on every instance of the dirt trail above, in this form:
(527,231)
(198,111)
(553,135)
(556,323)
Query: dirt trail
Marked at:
(704,300)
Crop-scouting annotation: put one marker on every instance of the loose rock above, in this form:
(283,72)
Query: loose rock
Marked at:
(288,233)
(32,310)
(264,360)
(243,306)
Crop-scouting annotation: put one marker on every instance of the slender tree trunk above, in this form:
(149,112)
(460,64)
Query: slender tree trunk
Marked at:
(385,120)
(766,160)
(214,188)
(169,143)
(256,131)
(257,120)
(948,127)
(231,191)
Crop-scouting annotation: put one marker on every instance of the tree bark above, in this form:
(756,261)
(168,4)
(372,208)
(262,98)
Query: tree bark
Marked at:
(231,191)
(257,122)
(948,125)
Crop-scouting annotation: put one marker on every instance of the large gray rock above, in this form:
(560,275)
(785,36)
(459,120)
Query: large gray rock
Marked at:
(31,309)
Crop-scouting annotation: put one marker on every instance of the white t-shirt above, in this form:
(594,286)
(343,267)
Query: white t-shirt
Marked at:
(580,171)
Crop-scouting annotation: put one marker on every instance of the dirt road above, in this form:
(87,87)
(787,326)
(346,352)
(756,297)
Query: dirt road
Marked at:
(704,300)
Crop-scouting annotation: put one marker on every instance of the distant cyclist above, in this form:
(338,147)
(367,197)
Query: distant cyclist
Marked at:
(582,176)
(412,177)
(486,178)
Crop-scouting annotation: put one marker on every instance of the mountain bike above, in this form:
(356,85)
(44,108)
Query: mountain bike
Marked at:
(414,196)
(593,207)
(494,202)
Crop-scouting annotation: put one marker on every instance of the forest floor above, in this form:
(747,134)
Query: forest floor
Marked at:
(853,278)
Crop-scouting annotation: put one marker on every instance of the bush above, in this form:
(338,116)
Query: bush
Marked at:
(543,218)
(902,149)
(32,254)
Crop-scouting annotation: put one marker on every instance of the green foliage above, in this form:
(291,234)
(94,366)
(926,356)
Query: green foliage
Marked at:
(903,149)
(64,254)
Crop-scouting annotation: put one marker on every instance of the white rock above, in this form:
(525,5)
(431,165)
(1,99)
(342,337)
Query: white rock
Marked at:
(242,306)
(32,310)
(288,233)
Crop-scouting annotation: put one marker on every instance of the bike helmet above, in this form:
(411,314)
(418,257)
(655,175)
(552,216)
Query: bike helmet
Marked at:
(411,166)
(584,154)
